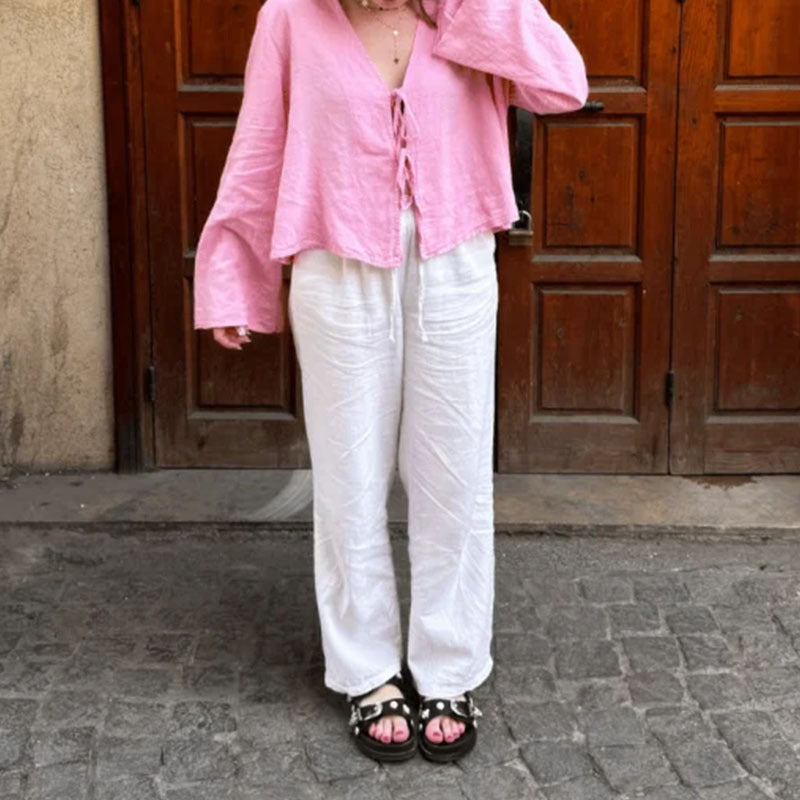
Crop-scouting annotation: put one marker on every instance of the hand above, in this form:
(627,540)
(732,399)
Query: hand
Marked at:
(231,338)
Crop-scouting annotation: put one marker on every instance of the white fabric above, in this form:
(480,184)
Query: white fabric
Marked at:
(422,401)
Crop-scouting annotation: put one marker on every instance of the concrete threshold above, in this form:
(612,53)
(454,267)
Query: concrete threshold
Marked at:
(261,500)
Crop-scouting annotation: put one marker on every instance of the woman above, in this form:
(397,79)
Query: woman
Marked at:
(371,154)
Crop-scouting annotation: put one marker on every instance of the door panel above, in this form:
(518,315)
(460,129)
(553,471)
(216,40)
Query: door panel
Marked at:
(213,407)
(583,327)
(737,278)
(762,39)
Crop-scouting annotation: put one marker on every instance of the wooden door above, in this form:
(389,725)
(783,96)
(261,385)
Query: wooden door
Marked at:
(736,320)
(584,318)
(627,293)
(212,406)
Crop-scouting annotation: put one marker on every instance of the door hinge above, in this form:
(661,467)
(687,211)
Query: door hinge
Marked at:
(669,387)
(151,383)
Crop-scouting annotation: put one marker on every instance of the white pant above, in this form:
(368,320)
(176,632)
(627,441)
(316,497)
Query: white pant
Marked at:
(365,357)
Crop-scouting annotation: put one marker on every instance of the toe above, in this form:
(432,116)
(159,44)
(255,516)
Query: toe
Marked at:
(400,729)
(433,730)
(456,729)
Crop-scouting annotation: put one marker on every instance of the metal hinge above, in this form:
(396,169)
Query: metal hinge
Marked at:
(669,388)
(151,383)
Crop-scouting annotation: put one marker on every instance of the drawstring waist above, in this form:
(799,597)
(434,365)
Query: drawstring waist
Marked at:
(396,297)
(393,312)
(420,297)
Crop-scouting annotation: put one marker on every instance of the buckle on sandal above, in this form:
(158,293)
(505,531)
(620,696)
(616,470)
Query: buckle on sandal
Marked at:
(473,709)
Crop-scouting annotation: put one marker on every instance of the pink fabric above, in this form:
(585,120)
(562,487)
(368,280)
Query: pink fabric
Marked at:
(323,149)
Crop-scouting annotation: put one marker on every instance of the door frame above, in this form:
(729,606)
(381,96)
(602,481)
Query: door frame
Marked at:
(127,235)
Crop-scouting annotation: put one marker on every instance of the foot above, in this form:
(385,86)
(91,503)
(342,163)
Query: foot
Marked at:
(388,728)
(445,728)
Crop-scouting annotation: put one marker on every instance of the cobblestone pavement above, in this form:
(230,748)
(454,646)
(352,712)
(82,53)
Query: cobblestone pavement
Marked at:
(186,665)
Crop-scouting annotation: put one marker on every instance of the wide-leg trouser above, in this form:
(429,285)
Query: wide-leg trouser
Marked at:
(398,370)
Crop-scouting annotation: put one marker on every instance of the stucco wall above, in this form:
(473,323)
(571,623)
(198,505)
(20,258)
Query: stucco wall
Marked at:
(55,336)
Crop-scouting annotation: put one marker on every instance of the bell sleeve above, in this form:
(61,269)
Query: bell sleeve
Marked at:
(235,281)
(518,41)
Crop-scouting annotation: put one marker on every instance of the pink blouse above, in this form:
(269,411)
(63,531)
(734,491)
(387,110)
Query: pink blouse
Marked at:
(325,155)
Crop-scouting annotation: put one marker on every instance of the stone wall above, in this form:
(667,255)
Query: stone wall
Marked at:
(55,326)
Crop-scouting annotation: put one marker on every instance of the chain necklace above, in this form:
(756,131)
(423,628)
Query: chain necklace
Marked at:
(375,7)
(395,32)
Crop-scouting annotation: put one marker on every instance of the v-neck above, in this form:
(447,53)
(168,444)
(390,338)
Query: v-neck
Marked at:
(361,47)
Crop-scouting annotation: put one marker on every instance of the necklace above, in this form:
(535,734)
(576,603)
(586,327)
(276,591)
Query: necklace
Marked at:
(376,7)
(395,32)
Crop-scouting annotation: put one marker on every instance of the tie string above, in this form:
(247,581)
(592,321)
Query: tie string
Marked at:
(402,115)
(405,127)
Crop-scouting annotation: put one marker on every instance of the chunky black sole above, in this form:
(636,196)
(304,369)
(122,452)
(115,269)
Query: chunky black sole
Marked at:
(448,751)
(399,751)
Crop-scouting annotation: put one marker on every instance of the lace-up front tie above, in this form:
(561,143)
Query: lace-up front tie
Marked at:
(401,116)
(404,180)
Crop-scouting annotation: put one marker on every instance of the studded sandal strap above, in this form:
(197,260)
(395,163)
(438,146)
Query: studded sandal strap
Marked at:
(395,706)
(439,706)
(374,711)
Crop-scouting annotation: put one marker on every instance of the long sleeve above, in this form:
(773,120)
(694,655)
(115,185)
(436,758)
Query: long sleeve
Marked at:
(235,281)
(516,40)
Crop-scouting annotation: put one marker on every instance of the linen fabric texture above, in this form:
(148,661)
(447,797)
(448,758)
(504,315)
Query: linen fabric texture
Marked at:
(322,148)
(408,384)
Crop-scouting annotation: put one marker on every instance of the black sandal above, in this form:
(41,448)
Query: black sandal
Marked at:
(362,716)
(464,710)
